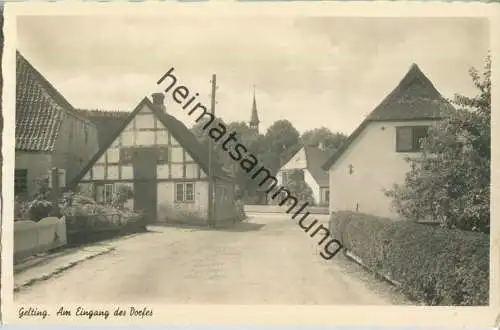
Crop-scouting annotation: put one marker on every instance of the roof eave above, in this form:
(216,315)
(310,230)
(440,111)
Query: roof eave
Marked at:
(336,155)
(392,120)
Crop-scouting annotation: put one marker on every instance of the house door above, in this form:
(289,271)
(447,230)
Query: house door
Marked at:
(145,187)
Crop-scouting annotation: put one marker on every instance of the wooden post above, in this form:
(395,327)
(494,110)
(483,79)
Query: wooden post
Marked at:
(211,193)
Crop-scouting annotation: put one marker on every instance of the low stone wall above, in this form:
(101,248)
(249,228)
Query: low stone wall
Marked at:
(282,209)
(35,237)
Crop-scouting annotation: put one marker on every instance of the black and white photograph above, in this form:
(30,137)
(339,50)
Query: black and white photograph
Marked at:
(250,160)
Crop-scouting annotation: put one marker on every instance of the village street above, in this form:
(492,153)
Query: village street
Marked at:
(266,259)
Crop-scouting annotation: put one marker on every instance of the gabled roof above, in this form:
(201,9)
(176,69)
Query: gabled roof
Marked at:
(414,98)
(107,122)
(315,158)
(178,130)
(40,109)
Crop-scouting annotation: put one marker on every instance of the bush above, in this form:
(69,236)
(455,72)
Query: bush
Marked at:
(39,209)
(436,265)
(450,179)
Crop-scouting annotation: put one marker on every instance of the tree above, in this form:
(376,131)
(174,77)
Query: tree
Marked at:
(299,188)
(322,135)
(280,137)
(450,180)
(201,134)
(246,135)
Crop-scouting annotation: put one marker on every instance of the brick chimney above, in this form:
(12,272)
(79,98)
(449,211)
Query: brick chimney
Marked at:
(159,101)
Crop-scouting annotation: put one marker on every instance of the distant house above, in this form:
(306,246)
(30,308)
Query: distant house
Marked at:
(309,160)
(165,166)
(49,132)
(373,157)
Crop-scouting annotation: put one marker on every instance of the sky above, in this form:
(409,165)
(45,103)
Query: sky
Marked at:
(314,71)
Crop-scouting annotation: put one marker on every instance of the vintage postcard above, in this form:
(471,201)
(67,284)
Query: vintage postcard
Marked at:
(301,163)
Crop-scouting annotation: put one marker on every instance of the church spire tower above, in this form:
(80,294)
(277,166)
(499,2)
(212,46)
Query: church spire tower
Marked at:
(254,120)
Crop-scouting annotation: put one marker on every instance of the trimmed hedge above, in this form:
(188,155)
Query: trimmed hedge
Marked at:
(439,266)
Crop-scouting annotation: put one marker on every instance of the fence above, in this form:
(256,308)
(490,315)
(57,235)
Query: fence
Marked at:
(36,237)
(282,209)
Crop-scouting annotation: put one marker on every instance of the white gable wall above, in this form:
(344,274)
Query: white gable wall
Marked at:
(376,166)
(308,178)
(107,167)
(299,162)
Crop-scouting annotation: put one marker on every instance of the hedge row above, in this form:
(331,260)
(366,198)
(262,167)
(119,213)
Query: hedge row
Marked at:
(435,265)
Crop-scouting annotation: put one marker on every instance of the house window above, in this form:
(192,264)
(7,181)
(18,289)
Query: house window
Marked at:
(184,192)
(409,138)
(189,192)
(327,196)
(108,193)
(179,192)
(126,156)
(162,155)
(20,181)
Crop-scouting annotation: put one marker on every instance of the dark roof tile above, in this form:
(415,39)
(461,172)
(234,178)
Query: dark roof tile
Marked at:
(415,98)
(315,158)
(40,109)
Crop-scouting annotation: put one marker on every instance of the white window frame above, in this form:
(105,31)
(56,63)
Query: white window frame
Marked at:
(106,194)
(184,186)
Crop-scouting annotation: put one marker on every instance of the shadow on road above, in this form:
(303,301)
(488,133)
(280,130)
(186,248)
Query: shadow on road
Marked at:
(101,237)
(237,227)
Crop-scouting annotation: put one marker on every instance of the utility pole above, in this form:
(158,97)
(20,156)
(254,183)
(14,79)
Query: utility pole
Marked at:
(211,192)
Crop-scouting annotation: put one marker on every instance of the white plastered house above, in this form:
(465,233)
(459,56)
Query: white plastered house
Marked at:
(373,157)
(309,160)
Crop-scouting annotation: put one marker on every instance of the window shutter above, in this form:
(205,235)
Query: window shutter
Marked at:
(404,139)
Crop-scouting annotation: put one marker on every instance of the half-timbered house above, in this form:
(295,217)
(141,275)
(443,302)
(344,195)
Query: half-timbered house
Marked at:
(165,166)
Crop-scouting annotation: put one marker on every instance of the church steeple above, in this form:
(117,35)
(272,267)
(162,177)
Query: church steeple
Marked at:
(254,120)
